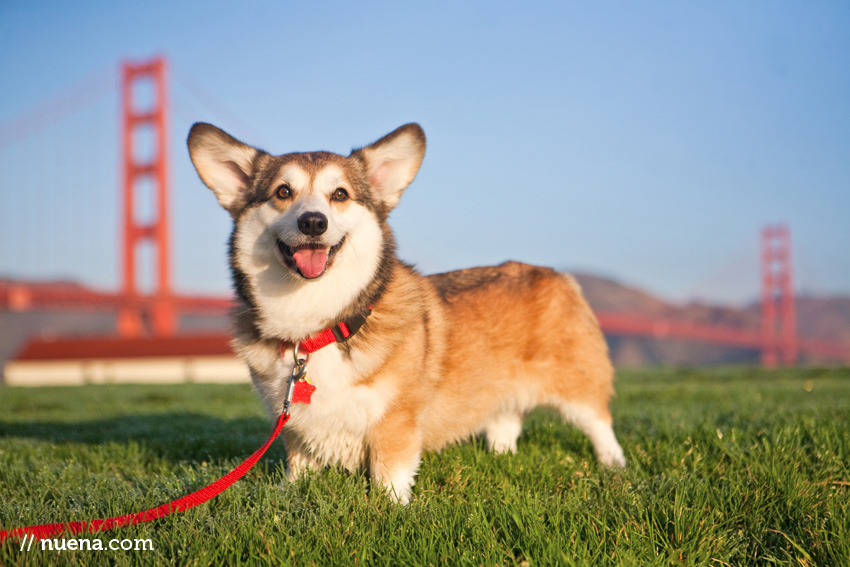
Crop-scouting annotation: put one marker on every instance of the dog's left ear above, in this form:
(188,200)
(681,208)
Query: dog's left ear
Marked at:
(392,162)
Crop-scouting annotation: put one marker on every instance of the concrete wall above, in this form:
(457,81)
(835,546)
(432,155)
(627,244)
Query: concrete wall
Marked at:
(164,370)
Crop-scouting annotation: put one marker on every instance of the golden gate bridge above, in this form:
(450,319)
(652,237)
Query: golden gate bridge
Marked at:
(152,316)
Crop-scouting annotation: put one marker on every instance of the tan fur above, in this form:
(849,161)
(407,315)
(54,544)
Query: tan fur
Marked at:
(440,358)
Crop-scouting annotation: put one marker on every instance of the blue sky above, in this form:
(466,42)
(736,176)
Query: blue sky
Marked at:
(648,141)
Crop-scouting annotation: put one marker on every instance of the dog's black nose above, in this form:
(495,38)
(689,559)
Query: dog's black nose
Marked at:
(313,224)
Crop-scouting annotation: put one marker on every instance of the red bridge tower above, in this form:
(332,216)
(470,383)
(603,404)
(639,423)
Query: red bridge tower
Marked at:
(144,129)
(778,316)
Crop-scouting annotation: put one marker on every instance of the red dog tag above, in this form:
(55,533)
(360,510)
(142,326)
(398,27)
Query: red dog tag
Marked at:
(302,392)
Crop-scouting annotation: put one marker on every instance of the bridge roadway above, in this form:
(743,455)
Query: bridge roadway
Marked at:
(20,297)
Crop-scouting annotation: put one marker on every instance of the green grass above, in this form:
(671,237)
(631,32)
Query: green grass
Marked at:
(726,467)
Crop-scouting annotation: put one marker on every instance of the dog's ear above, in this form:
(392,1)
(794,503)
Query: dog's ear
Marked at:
(392,162)
(225,164)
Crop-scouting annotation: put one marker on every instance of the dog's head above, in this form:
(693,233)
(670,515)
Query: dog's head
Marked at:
(312,200)
(307,220)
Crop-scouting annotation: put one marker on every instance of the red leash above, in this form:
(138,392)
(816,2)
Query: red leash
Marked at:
(181,504)
(298,390)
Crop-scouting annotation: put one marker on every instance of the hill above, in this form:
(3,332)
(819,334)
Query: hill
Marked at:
(817,318)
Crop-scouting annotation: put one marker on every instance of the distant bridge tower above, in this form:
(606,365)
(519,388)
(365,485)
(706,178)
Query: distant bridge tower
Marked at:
(778,315)
(144,163)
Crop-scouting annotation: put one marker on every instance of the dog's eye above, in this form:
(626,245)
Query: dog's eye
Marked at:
(283,192)
(340,195)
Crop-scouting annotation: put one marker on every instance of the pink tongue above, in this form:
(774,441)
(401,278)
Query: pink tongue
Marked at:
(311,261)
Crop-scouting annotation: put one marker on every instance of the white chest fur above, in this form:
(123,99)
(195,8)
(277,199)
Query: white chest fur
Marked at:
(334,426)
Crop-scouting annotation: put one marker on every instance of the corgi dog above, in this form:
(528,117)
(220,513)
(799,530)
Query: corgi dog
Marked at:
(400,363)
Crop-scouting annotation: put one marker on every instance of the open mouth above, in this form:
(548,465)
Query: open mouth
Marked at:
(309,260)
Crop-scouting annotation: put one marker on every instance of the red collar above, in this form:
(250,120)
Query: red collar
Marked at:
(339,333)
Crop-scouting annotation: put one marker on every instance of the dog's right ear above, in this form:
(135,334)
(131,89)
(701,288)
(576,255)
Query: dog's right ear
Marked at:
(225,164)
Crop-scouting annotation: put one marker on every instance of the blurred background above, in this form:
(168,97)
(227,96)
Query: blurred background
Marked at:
(689,161)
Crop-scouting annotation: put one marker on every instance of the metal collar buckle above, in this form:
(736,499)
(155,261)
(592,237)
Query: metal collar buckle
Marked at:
(299,372)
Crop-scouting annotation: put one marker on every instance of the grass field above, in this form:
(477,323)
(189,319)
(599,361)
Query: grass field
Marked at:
(726,467)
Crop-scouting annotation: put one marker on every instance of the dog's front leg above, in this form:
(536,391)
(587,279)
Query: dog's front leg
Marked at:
(395,450)
(298,460)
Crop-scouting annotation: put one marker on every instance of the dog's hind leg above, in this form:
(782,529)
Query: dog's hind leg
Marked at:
(598,428)
(502,432)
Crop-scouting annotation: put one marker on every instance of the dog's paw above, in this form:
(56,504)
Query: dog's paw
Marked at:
(402,497)
(613,457)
